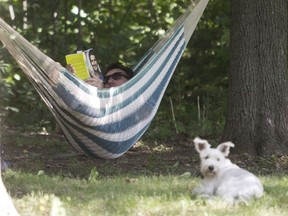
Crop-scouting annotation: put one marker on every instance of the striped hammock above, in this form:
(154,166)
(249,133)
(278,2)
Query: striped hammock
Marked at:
(105,122)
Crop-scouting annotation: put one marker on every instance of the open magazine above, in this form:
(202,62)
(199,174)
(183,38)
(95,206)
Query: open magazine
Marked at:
(85,64)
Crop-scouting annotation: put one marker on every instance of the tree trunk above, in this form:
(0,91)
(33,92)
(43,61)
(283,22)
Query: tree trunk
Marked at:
(257,116)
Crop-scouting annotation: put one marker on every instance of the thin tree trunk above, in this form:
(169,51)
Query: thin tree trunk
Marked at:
(257,117)
(80,38)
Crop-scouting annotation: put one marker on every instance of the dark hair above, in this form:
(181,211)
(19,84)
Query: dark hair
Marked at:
(116,65)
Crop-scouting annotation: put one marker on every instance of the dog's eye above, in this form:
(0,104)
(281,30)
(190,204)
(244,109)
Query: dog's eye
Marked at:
(207,157)
(218,159)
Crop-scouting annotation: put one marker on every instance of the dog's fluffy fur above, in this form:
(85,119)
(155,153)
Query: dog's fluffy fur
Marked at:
(223,178)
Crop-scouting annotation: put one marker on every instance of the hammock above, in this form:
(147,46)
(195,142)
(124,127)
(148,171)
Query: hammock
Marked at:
(105,122)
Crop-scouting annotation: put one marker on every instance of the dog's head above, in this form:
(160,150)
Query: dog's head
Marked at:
(212,159)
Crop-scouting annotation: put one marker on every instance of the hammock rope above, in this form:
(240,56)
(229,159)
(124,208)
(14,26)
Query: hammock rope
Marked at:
(105,122)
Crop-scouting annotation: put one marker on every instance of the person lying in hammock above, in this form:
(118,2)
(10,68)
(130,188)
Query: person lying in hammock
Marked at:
(115,75)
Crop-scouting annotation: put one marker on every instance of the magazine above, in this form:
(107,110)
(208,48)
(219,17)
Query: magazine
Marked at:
(85,64)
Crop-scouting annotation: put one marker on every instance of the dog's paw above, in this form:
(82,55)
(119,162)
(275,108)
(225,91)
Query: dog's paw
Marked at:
(199,191)
(196,191)
(197,195)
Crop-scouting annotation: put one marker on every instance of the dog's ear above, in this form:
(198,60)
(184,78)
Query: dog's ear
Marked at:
(200,144)
(225,148)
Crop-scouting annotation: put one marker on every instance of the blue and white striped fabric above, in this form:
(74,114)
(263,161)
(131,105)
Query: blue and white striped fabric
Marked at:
(105,122)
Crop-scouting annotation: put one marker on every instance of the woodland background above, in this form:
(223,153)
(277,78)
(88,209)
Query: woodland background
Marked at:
(154,178)
(122,30)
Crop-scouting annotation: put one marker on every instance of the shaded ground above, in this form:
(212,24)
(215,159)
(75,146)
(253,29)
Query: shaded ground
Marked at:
(36,153)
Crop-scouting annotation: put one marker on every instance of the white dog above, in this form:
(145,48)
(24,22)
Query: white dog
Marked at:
(223,178)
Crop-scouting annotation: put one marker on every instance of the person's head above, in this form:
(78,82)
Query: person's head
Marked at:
(116,74)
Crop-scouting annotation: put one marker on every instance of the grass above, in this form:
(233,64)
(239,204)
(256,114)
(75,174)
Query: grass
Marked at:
(47,178)
(133,195)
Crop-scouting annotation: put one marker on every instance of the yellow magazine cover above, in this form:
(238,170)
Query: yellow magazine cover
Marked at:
(85,64)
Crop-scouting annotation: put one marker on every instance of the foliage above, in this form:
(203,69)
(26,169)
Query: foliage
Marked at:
(125,30)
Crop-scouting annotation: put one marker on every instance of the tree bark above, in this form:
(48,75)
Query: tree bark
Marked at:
(257,116)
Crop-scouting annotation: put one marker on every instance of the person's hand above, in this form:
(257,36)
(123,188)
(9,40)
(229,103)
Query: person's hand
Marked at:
(71,69)
(95,81)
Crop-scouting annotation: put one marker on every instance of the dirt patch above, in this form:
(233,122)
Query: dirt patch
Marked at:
(34,153)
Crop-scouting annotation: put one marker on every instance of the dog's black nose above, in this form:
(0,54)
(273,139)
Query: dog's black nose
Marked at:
(211,168)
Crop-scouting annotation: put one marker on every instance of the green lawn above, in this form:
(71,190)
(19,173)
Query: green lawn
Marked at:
(134,195)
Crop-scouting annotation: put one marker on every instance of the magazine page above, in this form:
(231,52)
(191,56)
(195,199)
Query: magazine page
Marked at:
(92,64)
(77,60)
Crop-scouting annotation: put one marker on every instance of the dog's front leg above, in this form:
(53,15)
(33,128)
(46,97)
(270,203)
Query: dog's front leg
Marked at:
(206,190)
